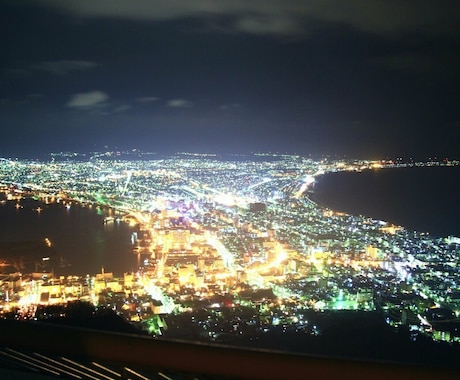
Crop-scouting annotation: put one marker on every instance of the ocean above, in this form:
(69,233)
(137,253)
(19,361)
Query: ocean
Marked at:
(423,199)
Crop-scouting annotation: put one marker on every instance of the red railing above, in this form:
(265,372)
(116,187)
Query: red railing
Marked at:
(197,359)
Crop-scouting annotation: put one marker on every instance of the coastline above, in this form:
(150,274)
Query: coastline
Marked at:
(416,198)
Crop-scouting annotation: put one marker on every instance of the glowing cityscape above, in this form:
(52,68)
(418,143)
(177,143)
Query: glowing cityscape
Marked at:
(233,246)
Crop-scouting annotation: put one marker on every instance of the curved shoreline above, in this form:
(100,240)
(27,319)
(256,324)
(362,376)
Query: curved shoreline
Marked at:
(425,205)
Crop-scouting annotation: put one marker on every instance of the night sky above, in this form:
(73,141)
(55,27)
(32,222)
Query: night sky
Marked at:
(364,79)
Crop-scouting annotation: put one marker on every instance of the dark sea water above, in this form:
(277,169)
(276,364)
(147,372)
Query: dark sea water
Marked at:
(424,199)
(81,242)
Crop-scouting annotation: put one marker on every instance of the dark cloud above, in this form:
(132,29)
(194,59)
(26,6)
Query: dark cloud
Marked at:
(179,103)
(63,67)
(147,99)
(288,17)
(122,108)
(348,77)
(88,100)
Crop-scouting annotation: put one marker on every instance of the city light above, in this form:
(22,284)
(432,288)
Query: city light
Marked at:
(202,245)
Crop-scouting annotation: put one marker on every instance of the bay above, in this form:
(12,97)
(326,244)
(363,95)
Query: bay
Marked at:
(423,199)
(81,243)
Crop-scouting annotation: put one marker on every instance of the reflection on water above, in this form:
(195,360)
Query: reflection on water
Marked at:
(81,241)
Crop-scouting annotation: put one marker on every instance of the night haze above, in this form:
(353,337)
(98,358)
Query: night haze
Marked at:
(374,80)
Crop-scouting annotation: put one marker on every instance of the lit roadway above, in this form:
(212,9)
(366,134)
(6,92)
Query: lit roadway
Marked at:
(229,260)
